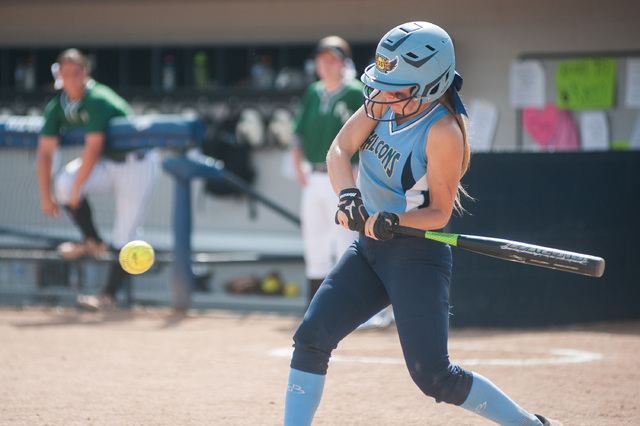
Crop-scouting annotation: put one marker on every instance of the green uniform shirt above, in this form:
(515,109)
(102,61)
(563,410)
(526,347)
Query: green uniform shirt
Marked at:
(92,113)
(322,115)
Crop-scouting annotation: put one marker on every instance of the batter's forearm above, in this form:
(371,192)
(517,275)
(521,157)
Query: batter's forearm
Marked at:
(44,163)
(340,170)
(344,146)
(44,177)
(428,219)
(91,152)
(296,157)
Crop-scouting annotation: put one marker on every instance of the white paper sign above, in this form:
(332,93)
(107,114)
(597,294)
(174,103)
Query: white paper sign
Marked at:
(483,119)
(632,88)
(594,131)
(527,84)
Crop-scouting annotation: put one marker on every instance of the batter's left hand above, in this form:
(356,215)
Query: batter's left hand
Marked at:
(351,212)
(74,200)
(379,225)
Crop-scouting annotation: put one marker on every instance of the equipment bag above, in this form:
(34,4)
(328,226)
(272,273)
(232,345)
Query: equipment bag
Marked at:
(223,145)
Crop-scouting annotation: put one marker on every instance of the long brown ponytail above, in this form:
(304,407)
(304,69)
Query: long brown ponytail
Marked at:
(448,101)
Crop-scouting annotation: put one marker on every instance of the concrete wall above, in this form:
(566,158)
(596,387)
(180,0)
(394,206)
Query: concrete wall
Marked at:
(488,34)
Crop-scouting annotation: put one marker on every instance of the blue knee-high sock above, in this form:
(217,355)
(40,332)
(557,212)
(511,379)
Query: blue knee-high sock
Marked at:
(304,392)
(490,402)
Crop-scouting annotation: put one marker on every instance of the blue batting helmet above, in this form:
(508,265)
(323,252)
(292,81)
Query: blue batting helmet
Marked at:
(416,55)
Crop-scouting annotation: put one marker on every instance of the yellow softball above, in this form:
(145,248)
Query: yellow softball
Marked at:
(136,257)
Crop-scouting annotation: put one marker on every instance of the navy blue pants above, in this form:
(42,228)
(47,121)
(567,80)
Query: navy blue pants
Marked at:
(413,275)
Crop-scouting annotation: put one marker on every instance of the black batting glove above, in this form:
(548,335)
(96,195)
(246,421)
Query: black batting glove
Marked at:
(382,227)
(351,211)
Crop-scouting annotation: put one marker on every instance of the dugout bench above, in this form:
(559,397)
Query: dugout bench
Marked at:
(174,132)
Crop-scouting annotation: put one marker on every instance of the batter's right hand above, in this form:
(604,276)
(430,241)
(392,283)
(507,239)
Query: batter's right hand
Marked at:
(301,177)
(49,208)
(351,212)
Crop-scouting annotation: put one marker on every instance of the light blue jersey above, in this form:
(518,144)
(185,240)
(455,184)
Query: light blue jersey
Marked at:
(393,163)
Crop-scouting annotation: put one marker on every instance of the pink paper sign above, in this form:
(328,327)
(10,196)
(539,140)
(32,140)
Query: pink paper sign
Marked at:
(566,136)
(541,124)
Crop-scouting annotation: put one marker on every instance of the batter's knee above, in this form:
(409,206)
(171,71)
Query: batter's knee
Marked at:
(63,182)
(446,383)
(312,349)
(62,185)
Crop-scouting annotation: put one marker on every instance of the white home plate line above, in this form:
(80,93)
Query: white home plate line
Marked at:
(555,356)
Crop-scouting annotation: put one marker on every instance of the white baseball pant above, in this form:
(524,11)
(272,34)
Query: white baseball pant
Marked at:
(324,241)
(131,181)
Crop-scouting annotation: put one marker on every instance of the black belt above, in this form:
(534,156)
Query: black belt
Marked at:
(319,167)
(121,157)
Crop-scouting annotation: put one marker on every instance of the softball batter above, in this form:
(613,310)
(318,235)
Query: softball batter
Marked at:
(129,174)
(413,152)
(327,104)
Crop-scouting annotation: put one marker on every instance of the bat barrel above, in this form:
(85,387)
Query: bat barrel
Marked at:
(530,254)
(515,251)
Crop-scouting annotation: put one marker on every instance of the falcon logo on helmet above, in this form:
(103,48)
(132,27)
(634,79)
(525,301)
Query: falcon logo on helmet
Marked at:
(386,65)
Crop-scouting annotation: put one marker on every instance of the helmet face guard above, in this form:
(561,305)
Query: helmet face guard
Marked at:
(373,96)
(416,55)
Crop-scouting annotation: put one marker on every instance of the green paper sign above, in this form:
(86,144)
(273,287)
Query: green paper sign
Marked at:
(586,84)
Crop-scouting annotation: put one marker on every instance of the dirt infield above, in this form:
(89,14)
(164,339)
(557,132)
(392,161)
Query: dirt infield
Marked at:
(68,367)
